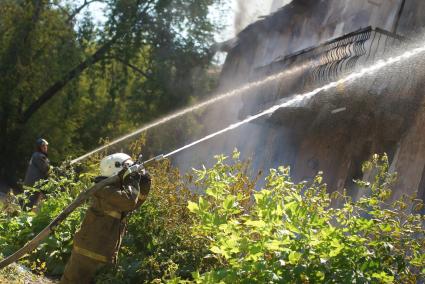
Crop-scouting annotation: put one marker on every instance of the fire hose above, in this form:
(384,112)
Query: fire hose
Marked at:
(81,198)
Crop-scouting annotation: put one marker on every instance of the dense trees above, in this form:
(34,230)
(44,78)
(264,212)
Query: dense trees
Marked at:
(64,77)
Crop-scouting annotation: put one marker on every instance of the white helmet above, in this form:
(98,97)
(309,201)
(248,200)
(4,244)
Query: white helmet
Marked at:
(112,164)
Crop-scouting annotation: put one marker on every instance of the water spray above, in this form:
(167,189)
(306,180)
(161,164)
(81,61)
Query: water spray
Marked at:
(153,160)
(298,98)
(220,97)
(379,65)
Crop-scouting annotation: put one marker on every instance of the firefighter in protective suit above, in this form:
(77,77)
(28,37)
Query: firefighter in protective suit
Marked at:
(38,169)
(99,238)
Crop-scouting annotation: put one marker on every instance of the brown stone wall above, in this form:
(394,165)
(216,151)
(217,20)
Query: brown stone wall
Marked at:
(326,152)
(409,161)
(299,26)
(412,20)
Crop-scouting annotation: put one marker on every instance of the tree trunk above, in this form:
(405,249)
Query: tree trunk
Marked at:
(9,153)
(59,85)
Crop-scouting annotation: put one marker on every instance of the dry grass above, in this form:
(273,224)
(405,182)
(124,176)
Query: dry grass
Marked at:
(16,274)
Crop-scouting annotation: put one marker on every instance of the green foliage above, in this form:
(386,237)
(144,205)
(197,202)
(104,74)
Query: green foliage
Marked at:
(20,226)
(158,244)
(285,233)
(148,58)
(289,233)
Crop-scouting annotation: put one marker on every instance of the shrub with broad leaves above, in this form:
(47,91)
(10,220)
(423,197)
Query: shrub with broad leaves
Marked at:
(290,233)
(236,233)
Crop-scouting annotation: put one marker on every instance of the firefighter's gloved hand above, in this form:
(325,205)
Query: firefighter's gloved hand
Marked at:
(145,176)
(145,183)
(132,179)
(132,175)
(121,174)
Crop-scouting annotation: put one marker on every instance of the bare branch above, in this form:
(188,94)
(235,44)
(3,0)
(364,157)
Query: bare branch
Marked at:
(72,74)
(60,7)
(99,55)
(80,8)
(133,67)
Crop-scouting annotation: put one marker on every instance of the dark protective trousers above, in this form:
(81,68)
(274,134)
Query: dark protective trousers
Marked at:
(80,269)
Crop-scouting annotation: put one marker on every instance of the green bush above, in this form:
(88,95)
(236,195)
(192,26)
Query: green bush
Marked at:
(284,233)
(159,243)
(289,233)
(20,226)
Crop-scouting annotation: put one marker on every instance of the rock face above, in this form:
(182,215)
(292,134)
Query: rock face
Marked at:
(316,42)
(303,24)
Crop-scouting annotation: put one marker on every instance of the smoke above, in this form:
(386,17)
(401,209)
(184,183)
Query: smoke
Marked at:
(276,4)
(249,11)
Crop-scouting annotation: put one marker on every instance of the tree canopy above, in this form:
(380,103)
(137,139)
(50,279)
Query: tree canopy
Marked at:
(72,80)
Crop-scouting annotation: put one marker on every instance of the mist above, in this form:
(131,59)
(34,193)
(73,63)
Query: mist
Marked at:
(249,11)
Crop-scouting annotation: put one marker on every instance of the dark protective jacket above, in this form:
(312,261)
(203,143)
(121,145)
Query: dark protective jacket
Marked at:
(102,227)
(38,168)
(99,239)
